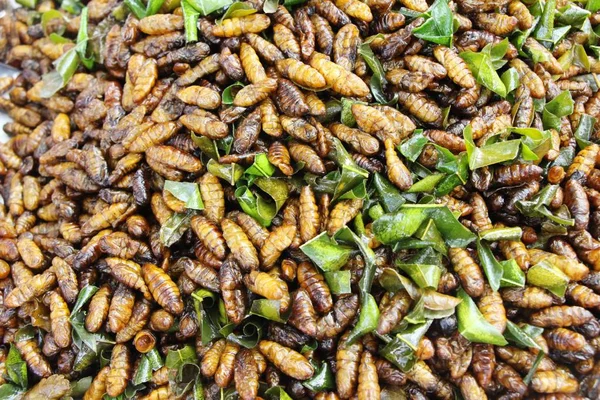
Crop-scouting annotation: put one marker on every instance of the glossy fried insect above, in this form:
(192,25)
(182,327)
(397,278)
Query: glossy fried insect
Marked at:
(254,93)
(343,212)
(469,272)
(287,360)
(360,141)
(300,73)
(303,153)
(340,80)
(163,289)
(230,280)
(59,318)
(397,172)
(278,240)
(392,311)
(557,381)
(238,26)
(120,370)
(246,374)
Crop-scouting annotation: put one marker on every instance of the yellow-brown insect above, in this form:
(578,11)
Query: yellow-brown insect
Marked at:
(564,339)
(491,306)
(246,374)
(348,360)
(224,373)
(201,274)
(210,234)
(300,73)
(163,289)
(409,81)
(360,141)
(230,279)
(416,5)
(303,315)
(268,286)
(469,272)
(335,321)
(239,244)
(345,46)
(278,240)
(59,318)
(392,309)
(343,212)
(316,287)
(421,106)
(456,67)
(200,96)
(287,360)
(129,273)
(211,359)
(238,26)
(584,162)
(355,9)
(397,172)
(561,316)
(529,78)
(97,388)
(30,253)
(139,318)
(340,80)
(303,153)
(120,370)
(251,64)
(254,93)
(34,287)
(582,295)
(270,118)
(114,213)
(121,308)
(98,309)
(310,222)
(557,381)
(521,13)
(498,24)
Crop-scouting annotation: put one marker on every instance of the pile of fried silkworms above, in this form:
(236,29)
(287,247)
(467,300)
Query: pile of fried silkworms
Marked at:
(328,199)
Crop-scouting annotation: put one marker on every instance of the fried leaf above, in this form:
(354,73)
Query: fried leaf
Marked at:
(256,205)
(229,172)
(230,91)
(251,332)
(322,380)
(512,275)
(422,274)
(277,392)
(206,7)
(560,106)
(401,351)
(268,309)
(352,175)
(412,147)
(237,10)
(367,319)
(573,15)
(11,392)
(261,166)
(190,21)
(346,116)
(483,70)
(339,282)
(492,268)
(473,326)
(52,15)
(518,336)
(270,6)
(326,253)
(549,277)
(378,81)
(545,26)
(16,367)
(390,228)
(175,227)
(427,184)
(510,78)
(389,195)
(136,7)
(489,154)
(507,233)
(593,5)
(27,3)
(187,192)
(439,26)
(584,130)
(176,358)
(83,297)
(207,313)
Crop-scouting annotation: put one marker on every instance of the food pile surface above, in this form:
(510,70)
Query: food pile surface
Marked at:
(323,199)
